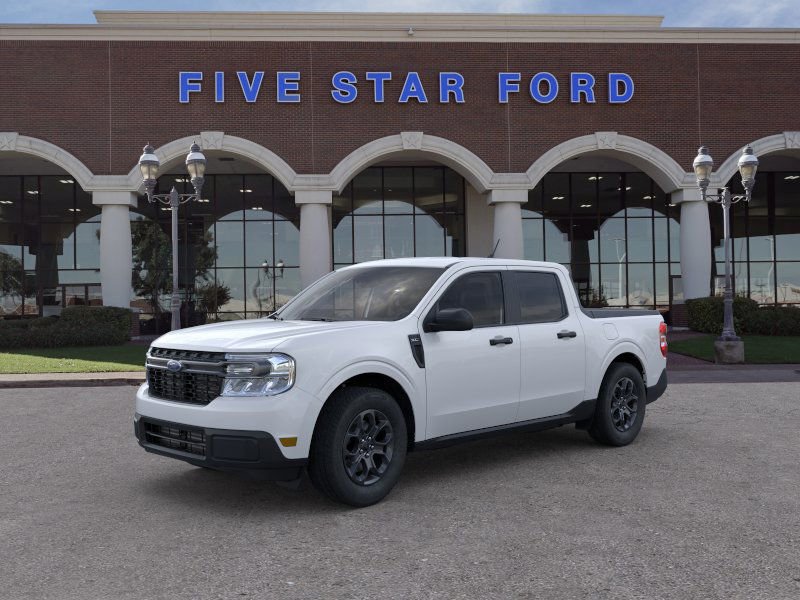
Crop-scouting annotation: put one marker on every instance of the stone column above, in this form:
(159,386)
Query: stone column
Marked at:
(116,254)
(695,243)
(508,221)
(315,234)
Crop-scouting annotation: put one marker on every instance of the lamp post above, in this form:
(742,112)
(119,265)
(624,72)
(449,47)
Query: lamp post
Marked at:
(196,166)
(728,347)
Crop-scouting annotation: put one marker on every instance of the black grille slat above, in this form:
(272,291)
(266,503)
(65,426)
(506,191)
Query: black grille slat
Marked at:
(192,441)
(184,386)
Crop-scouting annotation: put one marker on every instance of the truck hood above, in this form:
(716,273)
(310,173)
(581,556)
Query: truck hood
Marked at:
(262,335)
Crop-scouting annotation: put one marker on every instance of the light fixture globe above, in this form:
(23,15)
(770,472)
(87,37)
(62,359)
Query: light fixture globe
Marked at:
(748,165)
(703,165)
(148,164)
(196,162)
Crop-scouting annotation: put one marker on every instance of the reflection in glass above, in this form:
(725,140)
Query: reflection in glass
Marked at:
(399,235)
(556,240)
(762,282)
(640,240)
(533,239)
(399,212)
(788,278)
(640,285)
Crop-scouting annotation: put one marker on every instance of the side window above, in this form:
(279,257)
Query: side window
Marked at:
(540,297)
(479,293)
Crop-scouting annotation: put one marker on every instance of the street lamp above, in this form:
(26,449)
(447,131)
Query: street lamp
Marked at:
(703,165)
(196,165)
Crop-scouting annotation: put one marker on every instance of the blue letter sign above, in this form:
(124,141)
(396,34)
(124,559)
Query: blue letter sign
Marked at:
(615,80)
(188,81)
(250,90)
(344,90)
(288,86)
(451,83)
(412,88)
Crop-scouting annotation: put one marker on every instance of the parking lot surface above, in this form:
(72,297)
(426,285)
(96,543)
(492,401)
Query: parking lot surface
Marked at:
(705,504)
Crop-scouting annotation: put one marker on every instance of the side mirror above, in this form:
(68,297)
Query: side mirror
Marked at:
(449,319)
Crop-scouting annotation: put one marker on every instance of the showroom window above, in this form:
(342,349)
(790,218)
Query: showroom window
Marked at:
(396,212)
(617,233)
(766,240)
(238,251)
(49,246)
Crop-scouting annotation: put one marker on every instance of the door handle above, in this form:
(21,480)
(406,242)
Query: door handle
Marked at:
(566,334)
(499,340)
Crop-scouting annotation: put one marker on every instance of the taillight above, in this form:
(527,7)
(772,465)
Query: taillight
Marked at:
(662,338)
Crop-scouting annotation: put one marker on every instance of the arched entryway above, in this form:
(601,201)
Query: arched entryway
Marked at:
(601,207)
(765,231)
(49,232)
(238,246)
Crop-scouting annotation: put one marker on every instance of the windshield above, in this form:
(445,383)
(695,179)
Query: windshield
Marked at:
(364,294)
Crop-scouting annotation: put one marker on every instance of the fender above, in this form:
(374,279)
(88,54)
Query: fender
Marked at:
(366,367)
(623,347)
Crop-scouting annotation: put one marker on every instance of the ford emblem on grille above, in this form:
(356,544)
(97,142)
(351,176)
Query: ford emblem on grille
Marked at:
(174,366)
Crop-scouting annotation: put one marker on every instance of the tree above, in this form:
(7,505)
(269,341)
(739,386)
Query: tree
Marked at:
(12,277)
(152,261)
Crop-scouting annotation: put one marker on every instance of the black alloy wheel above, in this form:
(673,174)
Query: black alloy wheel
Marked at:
(624,404)
(620,408)
(368,447)
(359,446)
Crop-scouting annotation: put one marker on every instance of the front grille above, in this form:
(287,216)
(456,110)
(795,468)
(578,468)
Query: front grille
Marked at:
(198,383)
(194,388)
(175,437)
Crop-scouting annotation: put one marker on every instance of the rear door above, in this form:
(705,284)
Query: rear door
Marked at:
(552,344)
(472,376)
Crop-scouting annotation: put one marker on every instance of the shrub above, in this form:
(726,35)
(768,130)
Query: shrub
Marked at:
(77,326)
(782,320)
(706,315)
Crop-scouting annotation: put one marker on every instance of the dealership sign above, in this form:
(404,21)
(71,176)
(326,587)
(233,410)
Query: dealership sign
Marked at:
(346,86)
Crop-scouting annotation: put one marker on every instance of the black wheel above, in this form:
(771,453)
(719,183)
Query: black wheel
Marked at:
(619,413)
(359,446)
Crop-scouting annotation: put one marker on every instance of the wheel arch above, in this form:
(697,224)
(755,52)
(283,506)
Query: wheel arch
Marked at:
(623,353)
(388,379)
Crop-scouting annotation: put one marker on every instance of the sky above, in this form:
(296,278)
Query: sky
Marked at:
(677,13)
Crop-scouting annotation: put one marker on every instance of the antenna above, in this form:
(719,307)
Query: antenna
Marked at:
(494,249)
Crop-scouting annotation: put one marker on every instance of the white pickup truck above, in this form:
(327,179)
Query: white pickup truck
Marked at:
(381,358)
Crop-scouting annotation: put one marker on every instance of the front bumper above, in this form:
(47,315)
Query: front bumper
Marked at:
(251,453)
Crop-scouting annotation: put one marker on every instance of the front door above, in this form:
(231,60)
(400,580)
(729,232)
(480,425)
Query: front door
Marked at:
(472,376)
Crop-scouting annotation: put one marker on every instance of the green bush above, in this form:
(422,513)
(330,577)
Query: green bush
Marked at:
(706,315)
(77,326)
(782,320)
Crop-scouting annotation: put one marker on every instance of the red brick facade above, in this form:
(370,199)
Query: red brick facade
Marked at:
(101,100)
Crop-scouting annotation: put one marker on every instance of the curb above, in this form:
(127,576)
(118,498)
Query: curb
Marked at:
(51,383)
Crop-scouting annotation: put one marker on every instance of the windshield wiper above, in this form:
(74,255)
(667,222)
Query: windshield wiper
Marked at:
(323,319)
(275,317)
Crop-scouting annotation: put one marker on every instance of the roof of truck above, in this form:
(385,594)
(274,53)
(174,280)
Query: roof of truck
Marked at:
(443,262)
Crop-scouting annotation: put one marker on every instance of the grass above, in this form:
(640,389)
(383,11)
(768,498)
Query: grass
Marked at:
(758,349)
(92,359)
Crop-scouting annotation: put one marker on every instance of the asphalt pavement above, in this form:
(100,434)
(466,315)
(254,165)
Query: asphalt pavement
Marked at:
(705,504)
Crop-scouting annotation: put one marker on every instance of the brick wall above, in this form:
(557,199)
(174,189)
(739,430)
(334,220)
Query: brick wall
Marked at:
(102,100)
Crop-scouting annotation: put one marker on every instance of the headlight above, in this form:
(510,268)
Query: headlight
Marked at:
(257,374)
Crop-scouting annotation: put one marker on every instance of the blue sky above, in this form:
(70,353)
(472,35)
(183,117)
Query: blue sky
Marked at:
(678,13)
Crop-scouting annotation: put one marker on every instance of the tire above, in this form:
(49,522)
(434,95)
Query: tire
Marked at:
(346,463)
(619,412)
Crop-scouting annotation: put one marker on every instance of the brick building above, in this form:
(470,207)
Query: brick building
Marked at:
(338,138)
